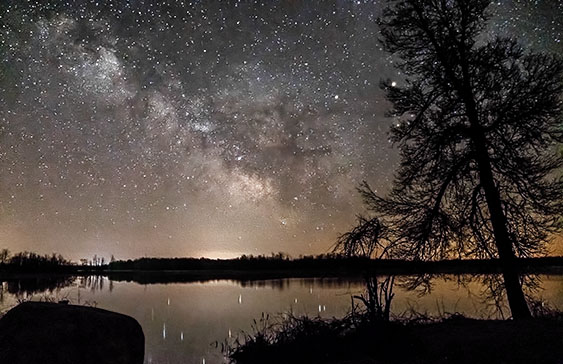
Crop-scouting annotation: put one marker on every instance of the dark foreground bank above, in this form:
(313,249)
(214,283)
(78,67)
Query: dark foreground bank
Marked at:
(452,340)
(57,333)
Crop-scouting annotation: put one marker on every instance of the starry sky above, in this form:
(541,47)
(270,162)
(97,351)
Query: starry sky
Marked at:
(199,128)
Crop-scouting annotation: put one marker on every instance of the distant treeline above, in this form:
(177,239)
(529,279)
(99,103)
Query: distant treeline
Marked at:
(330,264)
(274,265)
(30,262)
(278,261)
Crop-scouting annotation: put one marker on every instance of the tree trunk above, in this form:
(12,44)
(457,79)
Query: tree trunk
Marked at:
(510,271)
(514,293)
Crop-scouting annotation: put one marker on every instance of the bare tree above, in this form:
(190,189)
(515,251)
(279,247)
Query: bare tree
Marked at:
(477,122)
(4,256)
(369,239)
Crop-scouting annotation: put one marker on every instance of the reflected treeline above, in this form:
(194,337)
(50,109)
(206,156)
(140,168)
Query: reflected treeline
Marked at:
(285,283)
(93,282)
(377,297)
(187,276)
(375,300)
(490,292)
(31,285)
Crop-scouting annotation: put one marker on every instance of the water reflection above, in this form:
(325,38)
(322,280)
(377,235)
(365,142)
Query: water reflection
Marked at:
(181,321)
(30,285)
(486,291)
(284,283)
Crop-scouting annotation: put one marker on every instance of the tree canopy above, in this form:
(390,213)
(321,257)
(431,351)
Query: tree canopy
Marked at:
(478,120)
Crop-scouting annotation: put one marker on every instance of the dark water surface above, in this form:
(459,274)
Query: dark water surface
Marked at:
(182,321)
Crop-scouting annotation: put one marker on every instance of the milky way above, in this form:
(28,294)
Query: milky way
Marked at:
(199,128)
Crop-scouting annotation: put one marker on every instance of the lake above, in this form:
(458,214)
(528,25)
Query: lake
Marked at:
(182,321)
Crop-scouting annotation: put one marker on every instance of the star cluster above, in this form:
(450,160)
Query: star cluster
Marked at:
(199,128)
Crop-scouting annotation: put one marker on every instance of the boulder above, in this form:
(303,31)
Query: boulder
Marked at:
(56,333)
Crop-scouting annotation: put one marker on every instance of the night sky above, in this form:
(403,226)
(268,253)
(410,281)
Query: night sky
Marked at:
(200,128)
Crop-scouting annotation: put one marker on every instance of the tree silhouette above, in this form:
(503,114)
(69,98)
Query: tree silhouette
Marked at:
(477,122)
(369,239)
(4,256)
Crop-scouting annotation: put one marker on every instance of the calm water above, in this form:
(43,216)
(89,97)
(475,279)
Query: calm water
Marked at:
(181,321)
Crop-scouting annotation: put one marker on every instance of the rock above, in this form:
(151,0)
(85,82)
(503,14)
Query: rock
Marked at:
(51,333)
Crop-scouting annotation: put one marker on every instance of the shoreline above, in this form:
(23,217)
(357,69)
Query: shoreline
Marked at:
(154,270)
